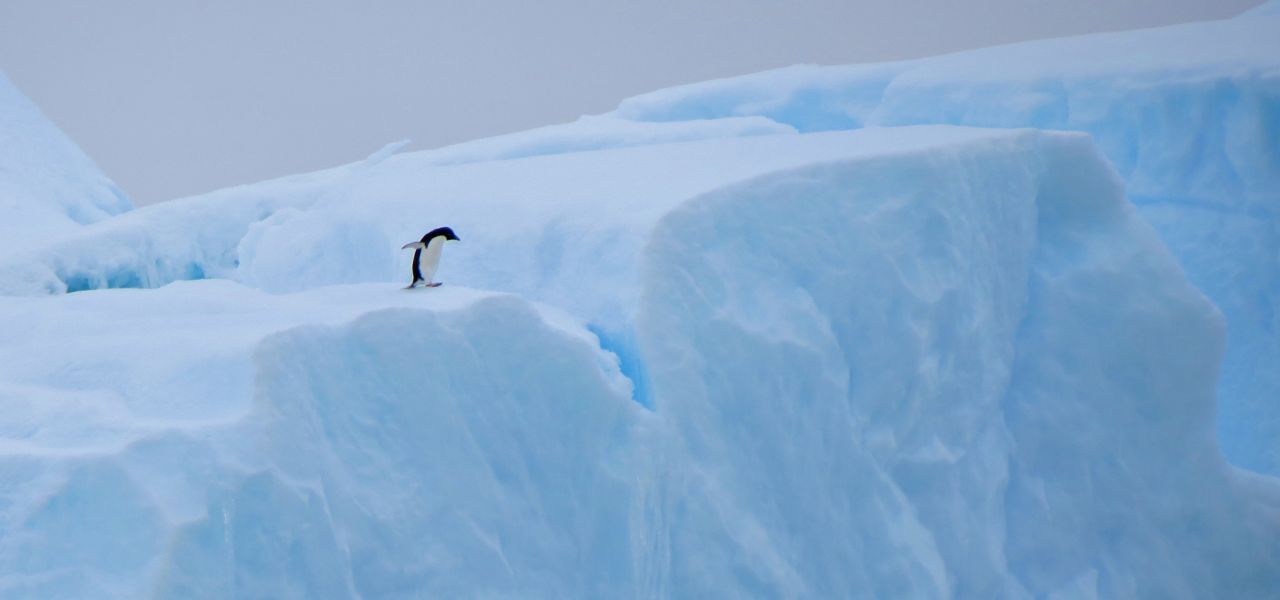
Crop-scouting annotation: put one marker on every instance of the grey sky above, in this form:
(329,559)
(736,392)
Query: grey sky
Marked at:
(177,97)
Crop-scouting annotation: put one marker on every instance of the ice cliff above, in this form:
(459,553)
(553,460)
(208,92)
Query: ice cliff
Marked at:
(759,337)
(1189,116)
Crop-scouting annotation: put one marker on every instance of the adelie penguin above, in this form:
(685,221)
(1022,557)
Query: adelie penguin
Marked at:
(426,256)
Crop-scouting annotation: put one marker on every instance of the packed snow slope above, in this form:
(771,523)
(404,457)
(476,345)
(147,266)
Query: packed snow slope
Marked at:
(900,362)
(1189,115)
(47,185)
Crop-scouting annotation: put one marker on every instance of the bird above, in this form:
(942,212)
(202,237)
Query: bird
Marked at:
(426,256)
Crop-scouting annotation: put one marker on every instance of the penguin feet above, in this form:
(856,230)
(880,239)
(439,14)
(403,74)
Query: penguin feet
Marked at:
(420,283)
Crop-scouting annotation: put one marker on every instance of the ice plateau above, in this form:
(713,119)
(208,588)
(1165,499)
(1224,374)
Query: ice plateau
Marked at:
(760,337)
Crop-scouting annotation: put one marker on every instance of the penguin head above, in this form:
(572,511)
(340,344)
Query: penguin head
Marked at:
(446,232)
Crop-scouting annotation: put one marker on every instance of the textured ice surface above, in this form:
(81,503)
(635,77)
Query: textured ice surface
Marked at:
(1189,115)
(943,355)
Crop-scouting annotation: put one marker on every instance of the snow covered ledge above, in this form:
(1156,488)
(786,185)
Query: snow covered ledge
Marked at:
(973,372)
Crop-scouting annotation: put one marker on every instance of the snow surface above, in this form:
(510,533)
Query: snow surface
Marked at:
(706,346)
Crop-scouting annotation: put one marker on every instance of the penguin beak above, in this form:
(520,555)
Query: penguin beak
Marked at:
(412,245)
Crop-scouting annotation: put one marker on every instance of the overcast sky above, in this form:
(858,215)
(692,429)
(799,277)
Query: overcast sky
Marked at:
(178,97)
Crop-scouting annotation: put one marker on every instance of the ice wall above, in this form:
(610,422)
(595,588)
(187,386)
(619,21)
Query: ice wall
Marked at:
(1189,115)
(894,379)
(47,185)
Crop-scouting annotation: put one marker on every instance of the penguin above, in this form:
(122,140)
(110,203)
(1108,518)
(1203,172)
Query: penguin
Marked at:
(426,256)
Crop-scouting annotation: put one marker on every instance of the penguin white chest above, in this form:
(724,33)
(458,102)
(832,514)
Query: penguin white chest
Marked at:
(430,261)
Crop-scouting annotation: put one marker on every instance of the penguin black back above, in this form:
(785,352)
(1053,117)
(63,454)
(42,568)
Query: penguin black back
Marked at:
(445,231)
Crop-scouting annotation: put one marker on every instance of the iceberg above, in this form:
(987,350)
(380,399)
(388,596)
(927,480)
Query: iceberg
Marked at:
(924,361)
(1186,114)
(760,337)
